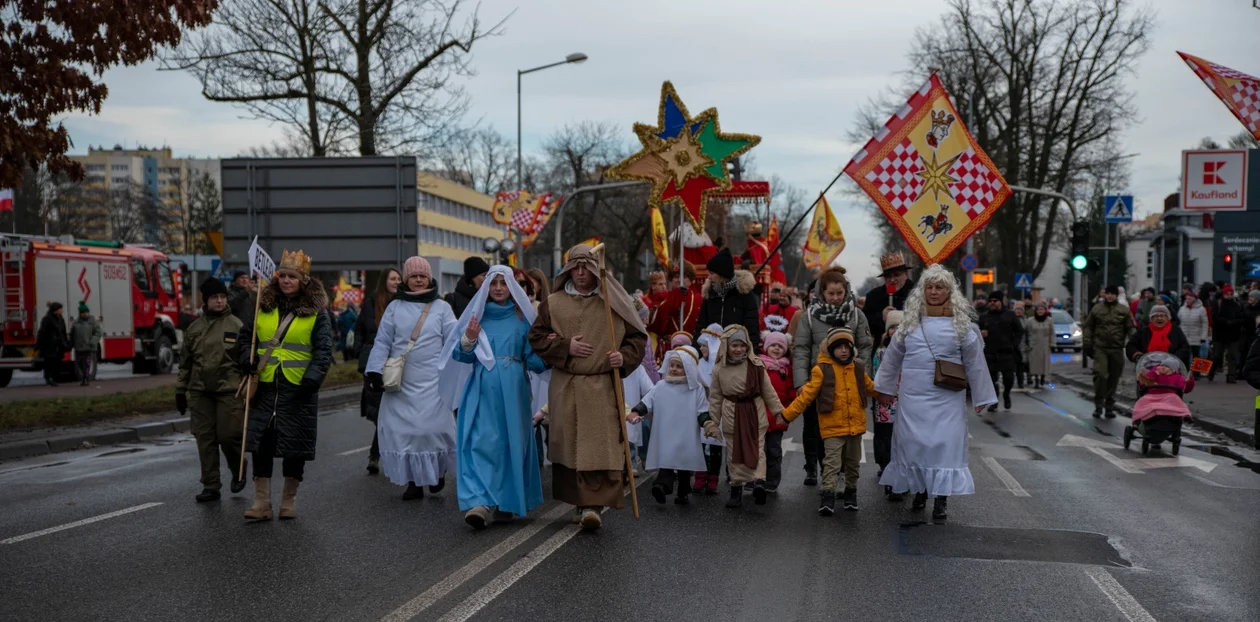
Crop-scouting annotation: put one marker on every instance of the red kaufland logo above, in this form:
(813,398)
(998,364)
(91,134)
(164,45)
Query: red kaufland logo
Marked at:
(1211,175)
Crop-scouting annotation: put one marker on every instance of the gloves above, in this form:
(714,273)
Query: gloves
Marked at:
(307,388)
(249,368)
(181,403)
(376,381)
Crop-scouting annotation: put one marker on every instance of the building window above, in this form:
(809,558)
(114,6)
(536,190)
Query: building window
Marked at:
(95,168)
(119,167)
(1150,264)
(95,179)
(119,180)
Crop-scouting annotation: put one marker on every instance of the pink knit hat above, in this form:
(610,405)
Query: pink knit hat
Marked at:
(771,338)
(679,339)
(417,266)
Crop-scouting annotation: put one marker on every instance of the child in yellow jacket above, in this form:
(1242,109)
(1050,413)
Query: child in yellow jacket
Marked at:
(840,386)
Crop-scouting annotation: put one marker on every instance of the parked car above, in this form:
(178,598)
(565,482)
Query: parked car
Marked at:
(1067,333)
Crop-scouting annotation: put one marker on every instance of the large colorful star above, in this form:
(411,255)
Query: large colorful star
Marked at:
(685,158)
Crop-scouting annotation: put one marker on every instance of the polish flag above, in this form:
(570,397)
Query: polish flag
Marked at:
(6,199)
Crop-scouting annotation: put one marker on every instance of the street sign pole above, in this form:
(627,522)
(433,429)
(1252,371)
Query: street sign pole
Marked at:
(968,286)
(1106,252)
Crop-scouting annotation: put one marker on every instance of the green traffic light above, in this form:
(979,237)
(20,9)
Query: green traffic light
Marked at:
(1080,262)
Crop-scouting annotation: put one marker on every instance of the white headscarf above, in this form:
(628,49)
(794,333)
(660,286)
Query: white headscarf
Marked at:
(690,362)
(711,337)
(476,308)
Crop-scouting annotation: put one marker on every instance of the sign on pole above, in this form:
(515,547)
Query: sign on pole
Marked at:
(1023,280)
(969,262)
(260,263)
(1215,180)
(1253,269)
(980,277)
(1118,208)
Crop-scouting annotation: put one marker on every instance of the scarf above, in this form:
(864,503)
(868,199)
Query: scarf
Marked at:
(840,315)
(720,291)
(938,310)
(776,364)
(1159,339)
(675,379)
(744,447)
(1040,318)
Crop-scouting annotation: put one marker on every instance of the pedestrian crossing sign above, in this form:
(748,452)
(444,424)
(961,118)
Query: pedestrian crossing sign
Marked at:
(1023,280)
(1118,208)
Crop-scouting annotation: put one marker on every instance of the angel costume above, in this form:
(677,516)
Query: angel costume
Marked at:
(707,480)
(497,468)
(676,405)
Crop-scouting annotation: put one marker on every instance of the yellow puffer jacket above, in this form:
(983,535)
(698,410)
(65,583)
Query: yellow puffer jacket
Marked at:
(847,416)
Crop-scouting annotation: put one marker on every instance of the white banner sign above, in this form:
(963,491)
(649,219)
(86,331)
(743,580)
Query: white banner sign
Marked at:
(260,263)
(1214,180)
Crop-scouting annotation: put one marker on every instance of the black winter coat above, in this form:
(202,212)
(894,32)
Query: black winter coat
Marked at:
(296,406)
(52,341)
(1178,346)
(459,299)
(1001,345)
(1228,321)
(365,337)
(741,306)
(877,300)
(1251,365)
(241,302)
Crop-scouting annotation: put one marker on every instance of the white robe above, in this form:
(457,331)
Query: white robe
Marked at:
(929,444)
(636,385)
(676,433)
(415,428)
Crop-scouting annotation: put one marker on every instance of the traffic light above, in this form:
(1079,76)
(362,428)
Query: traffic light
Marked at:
(1080,245)
(1229,262)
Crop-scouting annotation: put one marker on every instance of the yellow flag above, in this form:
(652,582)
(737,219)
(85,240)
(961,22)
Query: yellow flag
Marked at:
(660,243)
(825,240)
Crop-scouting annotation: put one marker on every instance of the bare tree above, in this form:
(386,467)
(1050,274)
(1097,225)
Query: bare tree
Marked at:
(204,214)
(378,75)
(1244,140)
(479,157)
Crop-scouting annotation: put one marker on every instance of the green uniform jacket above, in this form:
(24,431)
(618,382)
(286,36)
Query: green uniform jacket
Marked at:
(207,362)
(85,335)
(1108,325)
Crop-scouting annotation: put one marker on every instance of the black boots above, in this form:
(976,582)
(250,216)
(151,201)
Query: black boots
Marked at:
(413,492)
(850,499)
(828,505)
(811,473)
(1098,412)
(1110,413)
(939,511)
(759,493)
(658,493)
(920,501)
(993,407)
(433,490)
(737,497)
(1006,401)
(374,466)
(207,495)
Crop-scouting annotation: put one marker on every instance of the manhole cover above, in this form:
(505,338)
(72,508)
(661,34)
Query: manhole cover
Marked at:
(1034,545)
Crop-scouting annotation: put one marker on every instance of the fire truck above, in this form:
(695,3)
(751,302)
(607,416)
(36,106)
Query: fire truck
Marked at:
(129,288)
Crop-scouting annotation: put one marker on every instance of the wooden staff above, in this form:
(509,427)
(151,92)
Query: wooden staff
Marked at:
(253,339)
(618,390)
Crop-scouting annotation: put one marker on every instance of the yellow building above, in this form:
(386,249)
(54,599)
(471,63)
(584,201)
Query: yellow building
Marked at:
(165,178)
(453,221)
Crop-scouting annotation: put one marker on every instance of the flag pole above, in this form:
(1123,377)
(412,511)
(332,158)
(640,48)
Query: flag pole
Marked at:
(618,390)
(792,231)
(253,339)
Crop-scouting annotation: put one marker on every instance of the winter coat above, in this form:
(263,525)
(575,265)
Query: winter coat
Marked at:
(783,387)
(1229,321)
(1178,346)
(52,341)
(1251,364)
(1001,344)
(878,299)
(740,306)
(1041,343)
(1108,326)
(345,326)
(207,360)
(812,332)
(296,406)
(459,299)
(241,301)
(85,334)
(365,331)
(847,416)
(1194,322)
(1249,327)
(1144,310)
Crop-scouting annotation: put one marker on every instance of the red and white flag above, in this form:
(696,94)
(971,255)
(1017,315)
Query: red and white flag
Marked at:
(1239,92)
(6,199)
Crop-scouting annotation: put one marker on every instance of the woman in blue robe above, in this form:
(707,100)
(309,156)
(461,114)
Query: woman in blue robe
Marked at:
(497,459)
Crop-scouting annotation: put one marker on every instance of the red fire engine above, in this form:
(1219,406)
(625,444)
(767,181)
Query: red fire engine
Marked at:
(129,288)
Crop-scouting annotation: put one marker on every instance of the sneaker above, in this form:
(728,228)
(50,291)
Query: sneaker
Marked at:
(772,490)
(239,484)
(759,493)
(850,499)
(828,505)
(658,493)
(207,495)
(811,475)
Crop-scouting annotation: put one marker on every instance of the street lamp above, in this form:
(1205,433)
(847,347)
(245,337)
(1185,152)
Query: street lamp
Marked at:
(500,249)
(576,57)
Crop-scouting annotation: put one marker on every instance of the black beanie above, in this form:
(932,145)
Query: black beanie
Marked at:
(997,294)
(211,287)
(722,264)
(474,266)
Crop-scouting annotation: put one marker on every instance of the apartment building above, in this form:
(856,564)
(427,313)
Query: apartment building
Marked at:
(453,221)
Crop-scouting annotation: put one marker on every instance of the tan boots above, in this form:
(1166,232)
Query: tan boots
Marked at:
(261,510)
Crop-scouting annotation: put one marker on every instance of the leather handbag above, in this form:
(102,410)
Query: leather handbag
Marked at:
(948,374)
(392,373)
(249,383)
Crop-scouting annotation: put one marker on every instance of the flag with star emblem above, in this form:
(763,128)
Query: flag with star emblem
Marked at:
(684,157)
(825,240)
(660,242)
(928,175)
(547,206)
(1239,92)
(511,207)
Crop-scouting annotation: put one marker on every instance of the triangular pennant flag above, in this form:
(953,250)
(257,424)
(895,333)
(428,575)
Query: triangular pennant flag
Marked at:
(1239,92)
(660,242)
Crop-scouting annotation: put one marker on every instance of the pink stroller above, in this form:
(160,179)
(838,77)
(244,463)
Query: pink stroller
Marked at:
(1159,412)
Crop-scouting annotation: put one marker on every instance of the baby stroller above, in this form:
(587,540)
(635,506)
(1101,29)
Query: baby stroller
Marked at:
(1159,412)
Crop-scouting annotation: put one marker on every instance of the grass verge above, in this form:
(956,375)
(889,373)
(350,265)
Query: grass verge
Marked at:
(85,409)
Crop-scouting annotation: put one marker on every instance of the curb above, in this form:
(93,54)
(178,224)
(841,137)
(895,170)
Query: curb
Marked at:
(329,399)
(1245,436)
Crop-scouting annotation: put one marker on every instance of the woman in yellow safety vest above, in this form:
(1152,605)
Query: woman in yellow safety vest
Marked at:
(295,337)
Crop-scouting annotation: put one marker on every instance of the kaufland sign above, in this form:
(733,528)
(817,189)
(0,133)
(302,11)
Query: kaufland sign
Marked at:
(1214,180)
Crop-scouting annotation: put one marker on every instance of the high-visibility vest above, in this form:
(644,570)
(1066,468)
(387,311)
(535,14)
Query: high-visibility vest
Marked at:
(293,354)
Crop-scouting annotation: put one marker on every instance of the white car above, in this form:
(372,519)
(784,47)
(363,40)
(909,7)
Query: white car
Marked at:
(1067,333)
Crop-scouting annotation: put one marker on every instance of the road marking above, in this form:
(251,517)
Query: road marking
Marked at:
(78,523)
(425,600)
(1011,483)
(501,583)
(1176,461)
(1217,484)
(354,451)
(1119,464)
(1129,607)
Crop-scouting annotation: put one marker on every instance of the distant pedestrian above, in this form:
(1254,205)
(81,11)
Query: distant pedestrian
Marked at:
(1106,330)
(52,342)
(364,338)
(345,332)
(1228,324)
(241,296)
(85,338)
(1041,342)
(208,379)
(728,297)
(475,269)
(1193,320)
(1143,314)
(1024,351)
(1002,332)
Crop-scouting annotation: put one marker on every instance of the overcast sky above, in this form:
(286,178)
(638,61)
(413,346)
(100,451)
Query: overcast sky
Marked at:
(791,71)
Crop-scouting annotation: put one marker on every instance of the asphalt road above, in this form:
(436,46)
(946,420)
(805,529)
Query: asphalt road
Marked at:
(1065,525)
(107,371)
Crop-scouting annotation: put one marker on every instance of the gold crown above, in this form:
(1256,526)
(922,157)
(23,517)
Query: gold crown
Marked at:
(295,261)
(752,228)
(892,261)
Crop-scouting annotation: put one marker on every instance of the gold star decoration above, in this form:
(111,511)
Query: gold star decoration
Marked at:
(935,176)
(684,159)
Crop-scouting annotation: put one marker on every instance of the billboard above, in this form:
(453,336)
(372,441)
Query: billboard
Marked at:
(346,213)
(1214,180)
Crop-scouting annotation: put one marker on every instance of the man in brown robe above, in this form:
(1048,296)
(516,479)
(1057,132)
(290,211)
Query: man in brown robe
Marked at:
(586,431)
